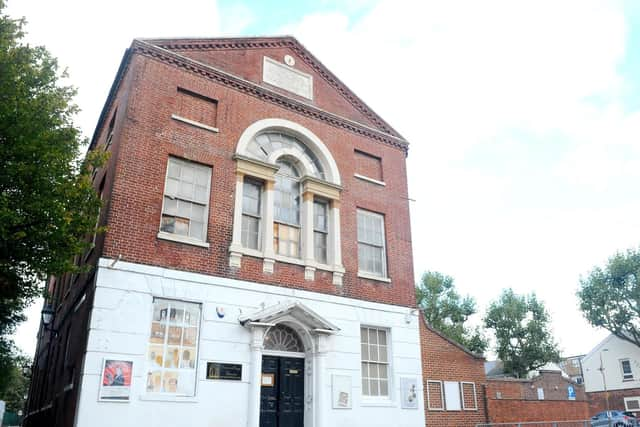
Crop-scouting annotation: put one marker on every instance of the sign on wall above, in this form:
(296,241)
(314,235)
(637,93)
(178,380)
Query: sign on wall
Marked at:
(116,380)
(224,371)
(409,390)
(571,393)
(341,391)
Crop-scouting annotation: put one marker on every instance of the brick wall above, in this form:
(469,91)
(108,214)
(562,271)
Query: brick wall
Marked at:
(442,360)
(510,399)
(149,136)
(506,411)
(598,400)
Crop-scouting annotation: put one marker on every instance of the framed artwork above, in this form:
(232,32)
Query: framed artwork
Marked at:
(341,391)
(115,384)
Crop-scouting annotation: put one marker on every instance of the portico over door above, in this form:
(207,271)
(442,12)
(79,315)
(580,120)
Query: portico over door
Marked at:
(302,381)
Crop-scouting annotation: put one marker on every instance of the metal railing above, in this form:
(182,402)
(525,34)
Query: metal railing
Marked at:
(576,423)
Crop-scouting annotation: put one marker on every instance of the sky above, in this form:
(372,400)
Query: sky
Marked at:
(523,119)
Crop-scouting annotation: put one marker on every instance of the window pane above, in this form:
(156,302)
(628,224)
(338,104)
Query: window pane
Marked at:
(188,174)
(320,216)
(374,388)
(168,224)
(365,351)
(197,212)
(170,206)
(382,337)
(196,230)
(364,335)
(250,227)
(382,353)
(365,387)
(202,195)
(384,388)
(174,169)
(172,187)
(373,336)
(181,226)
(320,246)
(185,190)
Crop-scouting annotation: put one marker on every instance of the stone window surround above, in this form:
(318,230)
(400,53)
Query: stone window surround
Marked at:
(311,188)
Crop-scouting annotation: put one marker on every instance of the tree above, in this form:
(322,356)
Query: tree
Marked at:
(47,203)
(14,385)
(447,311)
(610,296)
(523,337)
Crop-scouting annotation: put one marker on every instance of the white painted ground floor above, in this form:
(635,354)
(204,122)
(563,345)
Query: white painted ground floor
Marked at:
(170,348)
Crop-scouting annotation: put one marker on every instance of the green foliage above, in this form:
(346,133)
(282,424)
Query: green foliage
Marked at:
(610,296)
(447,311)
(14,385)
(47,203)
(523,337)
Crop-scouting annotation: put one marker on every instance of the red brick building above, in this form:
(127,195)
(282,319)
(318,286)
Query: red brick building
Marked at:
(454,381)
(257,254)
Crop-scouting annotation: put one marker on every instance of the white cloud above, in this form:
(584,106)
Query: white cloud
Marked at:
(496,98)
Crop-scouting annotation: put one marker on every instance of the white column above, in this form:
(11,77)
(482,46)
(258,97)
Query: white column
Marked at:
(235,256)
(267,243)
(335,243)
(320,368)
(255,379)
(307,236)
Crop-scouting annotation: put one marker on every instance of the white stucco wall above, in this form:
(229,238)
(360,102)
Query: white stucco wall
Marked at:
(612,349)
(120,327)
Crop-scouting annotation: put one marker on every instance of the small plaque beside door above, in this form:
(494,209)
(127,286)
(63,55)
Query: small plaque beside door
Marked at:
(224,371)
(268,380)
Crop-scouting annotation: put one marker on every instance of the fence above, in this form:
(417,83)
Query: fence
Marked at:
(576,423)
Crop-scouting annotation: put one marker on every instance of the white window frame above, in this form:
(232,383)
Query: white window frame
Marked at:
(178,237)
(434,408)
(149,395)
(380,397)
(259,217)
(624,376)
(324,231)
(369,274)
(475,396)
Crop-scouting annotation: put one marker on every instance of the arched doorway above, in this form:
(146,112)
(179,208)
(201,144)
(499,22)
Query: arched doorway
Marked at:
(282,388)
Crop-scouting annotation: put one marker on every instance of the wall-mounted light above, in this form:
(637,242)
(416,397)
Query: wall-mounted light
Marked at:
(47,318)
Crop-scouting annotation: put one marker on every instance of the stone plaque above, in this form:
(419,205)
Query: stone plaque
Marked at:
(224,371)
(287,78)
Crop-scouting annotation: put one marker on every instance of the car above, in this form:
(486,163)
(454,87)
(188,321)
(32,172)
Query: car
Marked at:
(614,419)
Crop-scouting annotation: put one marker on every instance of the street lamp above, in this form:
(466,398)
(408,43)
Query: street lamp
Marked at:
(47,318)
(604,381)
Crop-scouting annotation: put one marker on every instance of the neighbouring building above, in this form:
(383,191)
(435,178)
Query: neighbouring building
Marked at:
(256,269)
(454,381)
(612,375)
(572,366)
(547,396)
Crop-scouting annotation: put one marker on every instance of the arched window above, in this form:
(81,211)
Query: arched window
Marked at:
(286,217)
(283,338)
(287,200)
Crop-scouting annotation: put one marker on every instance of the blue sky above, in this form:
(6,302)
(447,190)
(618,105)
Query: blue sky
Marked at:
(523,118)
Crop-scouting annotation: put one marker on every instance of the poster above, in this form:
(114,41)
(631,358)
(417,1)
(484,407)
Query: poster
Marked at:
(116,380)
(409,390)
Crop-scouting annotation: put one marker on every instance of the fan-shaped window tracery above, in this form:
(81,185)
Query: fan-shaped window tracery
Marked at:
(283,338)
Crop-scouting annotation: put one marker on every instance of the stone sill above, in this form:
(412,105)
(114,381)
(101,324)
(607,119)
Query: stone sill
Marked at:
(194,123)
(181,239)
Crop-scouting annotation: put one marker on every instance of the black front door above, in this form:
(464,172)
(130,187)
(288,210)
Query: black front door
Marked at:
(282,392)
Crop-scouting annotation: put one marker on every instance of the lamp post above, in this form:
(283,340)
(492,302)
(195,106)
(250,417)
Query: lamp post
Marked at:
(604,381)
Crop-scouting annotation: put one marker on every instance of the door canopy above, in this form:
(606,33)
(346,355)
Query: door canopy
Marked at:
(270,316)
